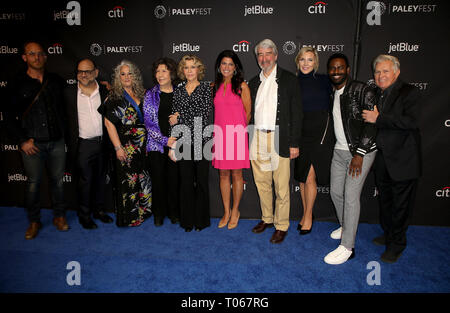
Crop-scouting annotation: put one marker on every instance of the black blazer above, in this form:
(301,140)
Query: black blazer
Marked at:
(70,96)
(289,109)
(398,136)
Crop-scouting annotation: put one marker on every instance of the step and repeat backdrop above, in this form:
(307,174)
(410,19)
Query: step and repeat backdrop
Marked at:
(416,32)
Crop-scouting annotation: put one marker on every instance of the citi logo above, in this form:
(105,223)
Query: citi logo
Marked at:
(258,10)
(318,8)
(57,48)
(8,50)
(185,47)
(116,12)
(67,178)
(443,193)
(402,47)
(241,46)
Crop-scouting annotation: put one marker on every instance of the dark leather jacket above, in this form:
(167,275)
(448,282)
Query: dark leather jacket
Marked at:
(46,119)
(360,135)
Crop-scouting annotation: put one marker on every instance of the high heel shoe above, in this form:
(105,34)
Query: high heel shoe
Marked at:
(305,231)
(234,225)
(223,222)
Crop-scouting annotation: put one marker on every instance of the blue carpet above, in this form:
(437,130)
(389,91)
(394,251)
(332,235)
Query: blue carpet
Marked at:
(166,259)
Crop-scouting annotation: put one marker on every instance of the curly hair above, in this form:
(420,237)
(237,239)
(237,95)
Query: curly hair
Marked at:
(137,87)
(197,61)
(171,67)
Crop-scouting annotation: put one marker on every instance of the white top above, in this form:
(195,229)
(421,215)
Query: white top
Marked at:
(89,120)
(341,142)
(266,101)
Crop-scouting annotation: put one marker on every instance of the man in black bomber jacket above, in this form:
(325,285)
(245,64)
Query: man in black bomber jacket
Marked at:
(354,153)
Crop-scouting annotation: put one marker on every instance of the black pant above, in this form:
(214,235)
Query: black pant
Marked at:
(396,200)
(165,188)
(92,177)
(194,193)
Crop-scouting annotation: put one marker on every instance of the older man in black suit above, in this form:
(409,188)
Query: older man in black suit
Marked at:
(398,164)
(87,142)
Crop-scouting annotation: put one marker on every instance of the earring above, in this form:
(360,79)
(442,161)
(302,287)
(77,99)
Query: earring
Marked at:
(234,73)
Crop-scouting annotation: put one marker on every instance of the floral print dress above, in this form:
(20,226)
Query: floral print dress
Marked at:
(133,184)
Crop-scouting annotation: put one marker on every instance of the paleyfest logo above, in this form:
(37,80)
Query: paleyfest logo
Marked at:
(97,49)
(161,11)
(378,8)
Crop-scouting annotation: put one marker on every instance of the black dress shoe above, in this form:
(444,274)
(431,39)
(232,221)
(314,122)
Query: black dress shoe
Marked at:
(379,241)
(174,220)
(87,223)
(102,216)
(390,256)
(188,229)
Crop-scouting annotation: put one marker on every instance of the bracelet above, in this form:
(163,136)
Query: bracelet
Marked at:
(118,148)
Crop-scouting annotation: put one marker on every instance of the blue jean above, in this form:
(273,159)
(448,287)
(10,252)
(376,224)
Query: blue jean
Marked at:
(53,153)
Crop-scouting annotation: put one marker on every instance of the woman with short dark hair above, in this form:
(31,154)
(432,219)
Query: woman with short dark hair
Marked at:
(164,173)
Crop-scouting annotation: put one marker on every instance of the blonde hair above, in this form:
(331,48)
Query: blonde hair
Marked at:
(303,51)
(137,87)
(197,61)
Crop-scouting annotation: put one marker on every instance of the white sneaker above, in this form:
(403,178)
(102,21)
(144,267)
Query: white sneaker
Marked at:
(339,256)
(336,234)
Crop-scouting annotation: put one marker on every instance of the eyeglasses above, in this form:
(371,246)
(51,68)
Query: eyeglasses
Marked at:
(33,54)
(88,72)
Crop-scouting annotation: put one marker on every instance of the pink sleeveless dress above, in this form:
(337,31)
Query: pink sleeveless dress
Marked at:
(230,133)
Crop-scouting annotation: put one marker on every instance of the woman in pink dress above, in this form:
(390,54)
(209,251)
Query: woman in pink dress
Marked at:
(232,105)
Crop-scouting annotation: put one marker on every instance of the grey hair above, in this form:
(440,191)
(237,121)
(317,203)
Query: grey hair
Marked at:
(266,44)
(137,87)
(387,57)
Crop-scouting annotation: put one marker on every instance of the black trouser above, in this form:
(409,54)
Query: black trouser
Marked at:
(194,193)
(165,188)
(396,200)
(92,177)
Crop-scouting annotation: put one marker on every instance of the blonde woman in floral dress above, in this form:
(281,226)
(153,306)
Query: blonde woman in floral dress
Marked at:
(125,124)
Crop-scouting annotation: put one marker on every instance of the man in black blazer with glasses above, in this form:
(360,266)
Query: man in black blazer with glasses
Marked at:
(398,163)
(88,142)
